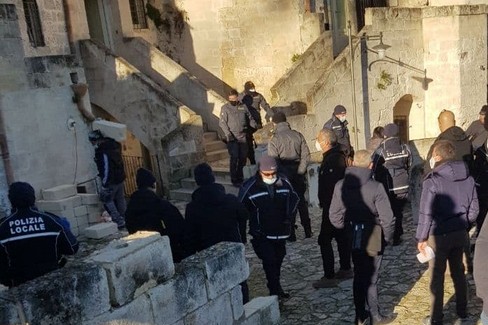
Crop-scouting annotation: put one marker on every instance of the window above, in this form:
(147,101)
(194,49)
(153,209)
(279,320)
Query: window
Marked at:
(33,20)
(137,13)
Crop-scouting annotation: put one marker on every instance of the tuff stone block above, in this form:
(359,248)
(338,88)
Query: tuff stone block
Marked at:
(135,263)
(66,296)
(101,230)
(59,192)
(236,302)
(217,311)
(112,130)
(261,310)
(89,199)
(224,265)
(60,205)
(80,211)
(138,311)
(168,300)
(94,217)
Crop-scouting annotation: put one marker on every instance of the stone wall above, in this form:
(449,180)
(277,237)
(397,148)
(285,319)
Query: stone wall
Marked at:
(36,97)
(133,280)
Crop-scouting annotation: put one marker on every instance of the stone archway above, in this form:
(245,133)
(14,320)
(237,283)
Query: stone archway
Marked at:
(401,113)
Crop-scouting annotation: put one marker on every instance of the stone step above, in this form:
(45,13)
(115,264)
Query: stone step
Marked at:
(181,194)
(216,155)
(190,184)
(214,145)
(210,136)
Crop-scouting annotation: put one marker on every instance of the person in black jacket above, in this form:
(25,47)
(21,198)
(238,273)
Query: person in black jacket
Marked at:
(480,175)
(361,206)
(147,211)
(32,242)
(108,157)
(480,266)
(213,216)
(338,124)
(331,170)
(271,202)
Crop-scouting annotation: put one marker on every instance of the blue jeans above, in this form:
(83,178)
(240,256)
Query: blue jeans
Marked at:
(115,203)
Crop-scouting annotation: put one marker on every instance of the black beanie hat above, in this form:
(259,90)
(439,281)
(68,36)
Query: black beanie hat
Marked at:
(145,178)
(204,175)
(21,195)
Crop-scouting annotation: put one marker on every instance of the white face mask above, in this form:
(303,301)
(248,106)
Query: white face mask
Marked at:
(432,162)
(270,181)
(318,146)
(342,119)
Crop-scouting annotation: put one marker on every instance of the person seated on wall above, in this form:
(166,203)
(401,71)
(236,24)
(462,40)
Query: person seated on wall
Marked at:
(32,242)
(147,211)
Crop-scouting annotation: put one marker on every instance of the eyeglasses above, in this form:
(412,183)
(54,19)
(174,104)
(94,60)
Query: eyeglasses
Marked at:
(268,174)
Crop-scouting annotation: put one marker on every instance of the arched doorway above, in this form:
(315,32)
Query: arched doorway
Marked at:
(401,113)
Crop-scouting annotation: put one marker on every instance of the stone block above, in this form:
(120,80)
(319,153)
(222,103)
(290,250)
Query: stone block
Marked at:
(9,313)
(59,192)
(66,296)
(134,264)
(101,230)
(94,209)
(138,311)
(261,310)
(80,211)
(168,299)
(236,302)
(94,217)
(60,205)
(82,221)
(112,130)
(217,311)
(224,265)
(89,199)
(69,214)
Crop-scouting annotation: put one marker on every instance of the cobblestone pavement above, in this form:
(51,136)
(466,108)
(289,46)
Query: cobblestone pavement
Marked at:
(403,286)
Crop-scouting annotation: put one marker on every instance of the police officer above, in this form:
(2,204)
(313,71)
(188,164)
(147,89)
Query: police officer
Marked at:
(235,120)
(290,149)
(32,242)
(108,157)
(271,202)
(338,124)
(391,163)
(254,102)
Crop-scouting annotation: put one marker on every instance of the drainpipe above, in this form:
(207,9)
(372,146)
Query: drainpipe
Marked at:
(69,28)
(9,173)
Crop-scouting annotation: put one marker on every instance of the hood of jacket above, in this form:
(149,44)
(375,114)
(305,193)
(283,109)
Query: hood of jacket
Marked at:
(356,177)
(213,194)
(454,133)
(451,170)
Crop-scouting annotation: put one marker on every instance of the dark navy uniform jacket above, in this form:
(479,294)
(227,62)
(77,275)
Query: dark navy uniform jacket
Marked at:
(32,244)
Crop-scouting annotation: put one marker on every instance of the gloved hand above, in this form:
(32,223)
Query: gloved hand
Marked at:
(105,194)
(231,138)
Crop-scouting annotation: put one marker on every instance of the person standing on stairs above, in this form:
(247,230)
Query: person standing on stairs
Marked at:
(235,121)
(254,102)
(338,124)
(290,149)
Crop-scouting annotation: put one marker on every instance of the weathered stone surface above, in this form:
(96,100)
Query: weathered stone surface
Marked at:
(101,230)
(261,310)
(89,198)
(217,311)
(116,131)
(138,311)
(80,211)
(184,293)
(66,296)
(59,192)
(224,264)
(236,302)
(137,261)
(60,205)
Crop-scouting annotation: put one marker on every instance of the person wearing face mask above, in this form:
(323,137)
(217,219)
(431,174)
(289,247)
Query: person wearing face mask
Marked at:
(453,133)
(271,201)
(331,170)
(147,211)
(235,121)
(290,149)
(338,124)
(448,209)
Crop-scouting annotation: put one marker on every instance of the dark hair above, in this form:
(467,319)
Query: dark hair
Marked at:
(233,92)
(378,132)
(445,149)
(278,117)
(249,85)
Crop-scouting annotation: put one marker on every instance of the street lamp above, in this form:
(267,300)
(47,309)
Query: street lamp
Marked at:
(380,49)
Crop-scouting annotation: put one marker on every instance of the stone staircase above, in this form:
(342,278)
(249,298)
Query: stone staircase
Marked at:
(218,158)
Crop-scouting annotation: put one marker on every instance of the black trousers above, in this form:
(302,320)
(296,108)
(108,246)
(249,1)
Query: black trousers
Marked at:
(299,184)
(238,156)
(250,149)
(483,201)
(397,205)
(327,233)
(365,284)
(271,252)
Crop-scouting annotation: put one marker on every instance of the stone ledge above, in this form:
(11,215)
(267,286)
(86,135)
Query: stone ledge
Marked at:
(261,310)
